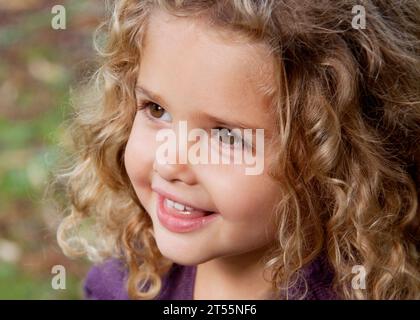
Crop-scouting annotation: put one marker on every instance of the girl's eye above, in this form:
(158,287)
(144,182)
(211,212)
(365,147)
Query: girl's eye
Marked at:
(227,137)
(155,111)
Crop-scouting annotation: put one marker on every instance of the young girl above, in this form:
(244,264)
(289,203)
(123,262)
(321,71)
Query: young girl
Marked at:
(333,215)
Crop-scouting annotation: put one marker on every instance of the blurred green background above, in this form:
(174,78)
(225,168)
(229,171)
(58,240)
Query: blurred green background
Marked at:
(38,66)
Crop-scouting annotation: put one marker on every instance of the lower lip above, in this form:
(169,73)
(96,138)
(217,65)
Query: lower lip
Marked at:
(181,224)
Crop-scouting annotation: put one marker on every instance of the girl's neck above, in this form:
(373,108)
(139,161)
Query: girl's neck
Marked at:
(233,277)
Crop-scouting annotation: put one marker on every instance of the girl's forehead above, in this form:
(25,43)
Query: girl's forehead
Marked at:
(184,34)
(188,56)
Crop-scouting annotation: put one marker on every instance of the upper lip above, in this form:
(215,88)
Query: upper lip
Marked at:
(179,200)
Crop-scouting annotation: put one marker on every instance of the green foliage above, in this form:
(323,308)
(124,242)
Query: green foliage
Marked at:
(16,284)
(38,65)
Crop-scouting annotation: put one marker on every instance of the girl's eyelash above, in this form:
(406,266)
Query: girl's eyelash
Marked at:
(144,107)
(243,142)
(143,110)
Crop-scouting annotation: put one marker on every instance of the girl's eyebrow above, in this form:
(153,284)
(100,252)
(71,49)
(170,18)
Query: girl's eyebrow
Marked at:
(232,124)
(220,121)
(151,95)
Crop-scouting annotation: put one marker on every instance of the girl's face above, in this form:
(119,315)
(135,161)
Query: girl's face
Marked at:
(200,78)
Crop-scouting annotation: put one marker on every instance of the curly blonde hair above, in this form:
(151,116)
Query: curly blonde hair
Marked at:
(347,105)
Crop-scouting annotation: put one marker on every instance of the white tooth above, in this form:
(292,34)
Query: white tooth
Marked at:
(179,206)
(169,203)
(185,212)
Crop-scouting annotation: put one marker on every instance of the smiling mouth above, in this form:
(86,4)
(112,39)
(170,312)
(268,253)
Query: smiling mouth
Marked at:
(183,210)
(176,220)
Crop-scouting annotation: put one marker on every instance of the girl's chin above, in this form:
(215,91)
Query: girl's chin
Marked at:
(185,260)
(185,255)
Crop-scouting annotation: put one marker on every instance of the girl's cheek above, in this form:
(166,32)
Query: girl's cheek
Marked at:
(236,195)
(139,153)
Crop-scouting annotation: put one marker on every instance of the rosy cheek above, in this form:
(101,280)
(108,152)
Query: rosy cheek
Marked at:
(139,155)
(228,190)
(252,198)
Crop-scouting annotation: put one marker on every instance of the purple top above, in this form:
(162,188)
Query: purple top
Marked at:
(107,282)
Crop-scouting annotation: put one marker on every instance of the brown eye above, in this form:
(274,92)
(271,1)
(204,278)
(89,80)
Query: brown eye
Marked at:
(156,110)
(231,140)
(228,137)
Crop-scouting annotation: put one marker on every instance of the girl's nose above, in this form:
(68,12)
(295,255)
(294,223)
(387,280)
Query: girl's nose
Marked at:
(175,172)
